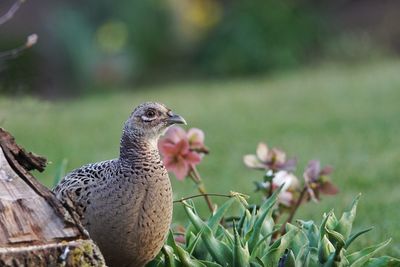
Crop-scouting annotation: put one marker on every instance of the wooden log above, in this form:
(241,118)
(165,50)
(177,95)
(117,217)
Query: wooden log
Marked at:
(35,228)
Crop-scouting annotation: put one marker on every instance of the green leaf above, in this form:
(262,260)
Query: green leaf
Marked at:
(197,248)
(264,211)
(336,239)
(260,262)
(182,254)
(337,259)
(354,236)
(303,256)
(190,233)
(325,249)
(311,232)
(214,221)
(313,258)
(346,221)
(218,250)
(242,221)
(384,261)
(158,261)
(359,258)
(288,260)
(60,171)
(332,221)
(257,229)
(240,252)
(322,228)
(271,200)
(210,264)
(254,253)
(169,256)
(185,258)
(251,218)
(192,245)
(298,241)
(341,260)
(278,248)
(331,261)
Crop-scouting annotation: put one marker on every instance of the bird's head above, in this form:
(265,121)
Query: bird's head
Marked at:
(150,120)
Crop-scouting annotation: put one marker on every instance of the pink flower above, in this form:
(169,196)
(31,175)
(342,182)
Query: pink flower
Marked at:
(179,234)
(269,159)
(181,151)
(317,180)
(196,138)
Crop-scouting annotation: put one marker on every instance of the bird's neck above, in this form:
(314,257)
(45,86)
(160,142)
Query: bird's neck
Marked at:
(135,146)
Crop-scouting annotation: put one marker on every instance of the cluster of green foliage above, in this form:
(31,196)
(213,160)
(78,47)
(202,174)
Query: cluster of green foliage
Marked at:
(254,240)
(103,43)
(249,36)
(260,35)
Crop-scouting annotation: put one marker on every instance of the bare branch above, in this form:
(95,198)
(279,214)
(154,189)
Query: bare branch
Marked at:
(13,53)
(10,13)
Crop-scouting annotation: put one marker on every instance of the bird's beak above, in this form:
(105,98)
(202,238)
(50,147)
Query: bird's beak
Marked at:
(176,119)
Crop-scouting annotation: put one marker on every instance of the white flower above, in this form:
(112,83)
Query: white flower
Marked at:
(288,179)
(31,40)
(289,182)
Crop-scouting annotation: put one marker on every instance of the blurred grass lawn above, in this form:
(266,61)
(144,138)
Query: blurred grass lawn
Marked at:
(345,116)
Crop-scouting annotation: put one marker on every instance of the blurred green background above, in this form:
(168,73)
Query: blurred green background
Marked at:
(101,45)
(319,79)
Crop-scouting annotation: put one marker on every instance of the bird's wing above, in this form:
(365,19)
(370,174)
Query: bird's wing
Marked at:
(76,186)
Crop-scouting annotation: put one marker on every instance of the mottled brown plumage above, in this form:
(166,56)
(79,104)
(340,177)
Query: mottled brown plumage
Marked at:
(126,203)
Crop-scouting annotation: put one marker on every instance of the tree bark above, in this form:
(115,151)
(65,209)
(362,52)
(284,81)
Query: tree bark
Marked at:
(36,229)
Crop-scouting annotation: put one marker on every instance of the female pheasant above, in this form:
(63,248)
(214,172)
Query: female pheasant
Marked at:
(126,203)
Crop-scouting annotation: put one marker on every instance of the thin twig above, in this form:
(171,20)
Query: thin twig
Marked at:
(202,195)
(13,53)
(195,175)
(10,13)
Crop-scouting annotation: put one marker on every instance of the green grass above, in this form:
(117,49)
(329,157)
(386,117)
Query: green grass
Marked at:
(346,116)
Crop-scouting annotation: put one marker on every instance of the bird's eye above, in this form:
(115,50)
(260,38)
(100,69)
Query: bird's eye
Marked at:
(150,113)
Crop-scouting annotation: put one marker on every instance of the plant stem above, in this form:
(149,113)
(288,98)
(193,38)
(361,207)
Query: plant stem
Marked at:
(202,195)
(195,175)
(10,13)
(294,210)
(13,53)
(270,190)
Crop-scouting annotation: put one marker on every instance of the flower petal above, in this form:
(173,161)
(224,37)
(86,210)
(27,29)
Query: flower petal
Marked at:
(288,179)
(327,170)
(311,174)
(328,188)
(168,149)
(289,165)
(182,170)
(168,162)
(312,194)
(262,152)
(285,198)
(196,138)
(175,134)
(179,167)
(252,161)
(192,158)
(182,147)
(278,156)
